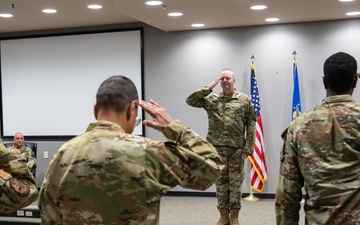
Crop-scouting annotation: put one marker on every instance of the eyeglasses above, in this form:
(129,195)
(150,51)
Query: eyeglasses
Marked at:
(138,120)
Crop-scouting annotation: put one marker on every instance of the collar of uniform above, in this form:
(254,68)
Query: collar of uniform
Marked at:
(338,98)
(235,95)
(101,124)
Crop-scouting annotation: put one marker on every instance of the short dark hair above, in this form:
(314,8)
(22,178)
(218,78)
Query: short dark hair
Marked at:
(340,72)
(116,93)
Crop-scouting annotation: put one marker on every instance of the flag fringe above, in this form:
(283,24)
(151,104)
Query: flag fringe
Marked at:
(260,176)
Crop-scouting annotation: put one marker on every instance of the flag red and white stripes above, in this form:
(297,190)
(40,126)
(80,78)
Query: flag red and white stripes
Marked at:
(258,170)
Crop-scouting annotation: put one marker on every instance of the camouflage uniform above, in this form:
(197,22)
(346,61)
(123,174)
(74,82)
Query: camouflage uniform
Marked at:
(230,118)
(28,155)
(106,176)
(321,153)
(17,184)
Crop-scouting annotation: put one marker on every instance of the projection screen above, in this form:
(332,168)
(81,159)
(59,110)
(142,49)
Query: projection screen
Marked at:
(49,84)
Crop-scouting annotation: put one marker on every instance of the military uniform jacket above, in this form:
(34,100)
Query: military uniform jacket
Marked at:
(321,153)
(106,176)
(17,184)
(27,154)
(231,118)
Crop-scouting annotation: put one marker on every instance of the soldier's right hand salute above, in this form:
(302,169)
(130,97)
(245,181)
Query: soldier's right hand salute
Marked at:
(214,83)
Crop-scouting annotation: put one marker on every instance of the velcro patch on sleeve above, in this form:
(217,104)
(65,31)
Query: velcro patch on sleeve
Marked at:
(4,175)
(20,187)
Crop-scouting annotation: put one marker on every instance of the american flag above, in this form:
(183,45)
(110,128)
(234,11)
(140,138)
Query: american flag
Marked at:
(258,171)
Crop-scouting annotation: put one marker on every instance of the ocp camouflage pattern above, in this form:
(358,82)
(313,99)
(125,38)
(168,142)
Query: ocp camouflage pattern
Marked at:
(27,154)
(13,168)
(230,118)
(106,176)
(321,153)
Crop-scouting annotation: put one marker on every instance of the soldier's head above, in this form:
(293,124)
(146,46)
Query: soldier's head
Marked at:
(117,101)
(227,81)
(340,74)
(18,140)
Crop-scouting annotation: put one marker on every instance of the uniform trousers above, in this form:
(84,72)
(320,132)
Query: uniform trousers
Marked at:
(229,185)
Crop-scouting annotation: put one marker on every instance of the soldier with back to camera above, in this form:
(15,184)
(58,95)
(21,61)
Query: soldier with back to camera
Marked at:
(321,153)
(108,176)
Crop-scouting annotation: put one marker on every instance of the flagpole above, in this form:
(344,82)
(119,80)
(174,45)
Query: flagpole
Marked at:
(297,111)
(294,54)
(251,197)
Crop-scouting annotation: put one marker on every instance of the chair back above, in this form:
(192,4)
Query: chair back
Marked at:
(31,145)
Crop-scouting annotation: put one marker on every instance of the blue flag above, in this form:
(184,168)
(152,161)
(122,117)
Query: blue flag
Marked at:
(296,102)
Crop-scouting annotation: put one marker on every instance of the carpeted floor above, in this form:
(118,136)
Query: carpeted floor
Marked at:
(202,210)
(191,211)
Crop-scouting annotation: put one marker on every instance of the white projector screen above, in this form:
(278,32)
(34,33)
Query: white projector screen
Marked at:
(49,84)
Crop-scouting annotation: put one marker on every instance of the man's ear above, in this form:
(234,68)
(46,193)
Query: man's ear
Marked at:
(95,112)
(128,112)
(324,82)
(131,110)
(355,81)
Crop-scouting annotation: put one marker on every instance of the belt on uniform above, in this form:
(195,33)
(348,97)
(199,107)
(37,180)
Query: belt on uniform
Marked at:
(225,146)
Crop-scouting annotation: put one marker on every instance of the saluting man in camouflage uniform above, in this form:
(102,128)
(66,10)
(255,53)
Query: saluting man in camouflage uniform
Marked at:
(108,176)
(26,152)
(17,184)
(321,153)
(231,130)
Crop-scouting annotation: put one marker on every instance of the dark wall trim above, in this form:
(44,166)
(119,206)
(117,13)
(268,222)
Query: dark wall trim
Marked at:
(213,194)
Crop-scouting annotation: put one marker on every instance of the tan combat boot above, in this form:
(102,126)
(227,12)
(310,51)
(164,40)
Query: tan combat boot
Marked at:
(234,215)
(224,217)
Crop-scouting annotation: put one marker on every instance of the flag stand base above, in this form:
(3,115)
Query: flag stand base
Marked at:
(251,198)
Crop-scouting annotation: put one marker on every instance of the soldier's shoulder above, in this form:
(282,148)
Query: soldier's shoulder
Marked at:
(9,150)
(105,142)
(2,147)
(241,94)
(27,149)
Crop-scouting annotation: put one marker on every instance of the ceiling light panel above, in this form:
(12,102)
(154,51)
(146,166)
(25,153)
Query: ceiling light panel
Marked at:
(197,25)
(175,14)
(94,6)
(153,2)
(49,10)
(5,15)
(258,7)
(355,13)
(274,19)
